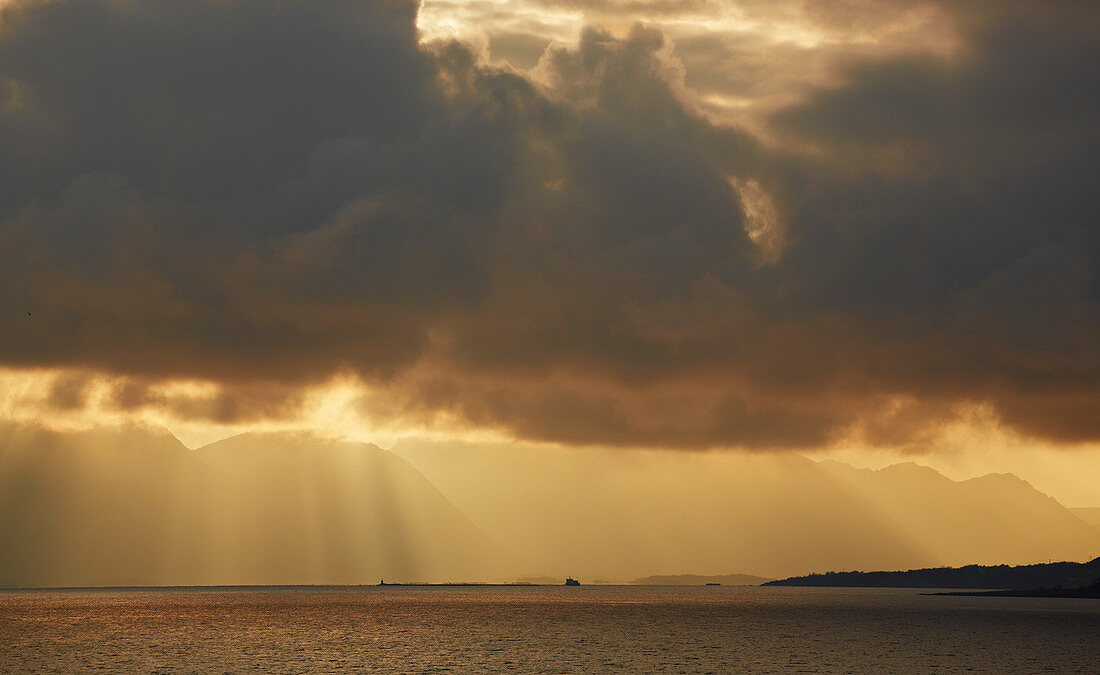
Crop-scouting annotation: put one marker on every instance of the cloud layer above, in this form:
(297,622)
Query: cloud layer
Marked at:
(262,194)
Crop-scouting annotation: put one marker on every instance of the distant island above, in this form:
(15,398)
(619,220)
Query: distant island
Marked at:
(700,580)
(1054,576)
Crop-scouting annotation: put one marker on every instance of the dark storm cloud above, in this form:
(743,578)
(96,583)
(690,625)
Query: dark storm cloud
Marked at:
(179,175)
(958,199)
(262,194)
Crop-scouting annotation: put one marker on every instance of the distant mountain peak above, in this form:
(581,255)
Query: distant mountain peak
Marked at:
(911,468)
(1001,478)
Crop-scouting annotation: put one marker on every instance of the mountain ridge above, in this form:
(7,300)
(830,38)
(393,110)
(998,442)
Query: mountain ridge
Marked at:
(132,506)
(603,515)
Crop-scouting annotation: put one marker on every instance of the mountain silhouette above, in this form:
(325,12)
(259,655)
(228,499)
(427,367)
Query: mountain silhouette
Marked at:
(996,518)
(627,514)
(136,507)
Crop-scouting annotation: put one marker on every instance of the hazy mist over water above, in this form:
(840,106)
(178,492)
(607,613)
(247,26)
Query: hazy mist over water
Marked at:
(542,629)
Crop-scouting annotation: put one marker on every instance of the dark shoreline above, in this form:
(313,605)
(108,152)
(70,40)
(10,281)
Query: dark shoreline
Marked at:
(1034,578)
(1090,592)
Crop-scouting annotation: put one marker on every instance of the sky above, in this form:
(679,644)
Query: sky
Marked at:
(861,229)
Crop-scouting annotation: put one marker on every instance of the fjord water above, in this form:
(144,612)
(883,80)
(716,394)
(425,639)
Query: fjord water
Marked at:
(542,629)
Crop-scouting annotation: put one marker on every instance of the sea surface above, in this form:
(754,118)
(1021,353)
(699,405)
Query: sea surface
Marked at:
(588,629)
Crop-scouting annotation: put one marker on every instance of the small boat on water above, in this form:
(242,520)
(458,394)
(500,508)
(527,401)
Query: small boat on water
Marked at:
(572,582)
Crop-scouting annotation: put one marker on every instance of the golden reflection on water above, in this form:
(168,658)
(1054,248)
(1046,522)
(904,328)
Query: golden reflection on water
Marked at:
(542,629)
